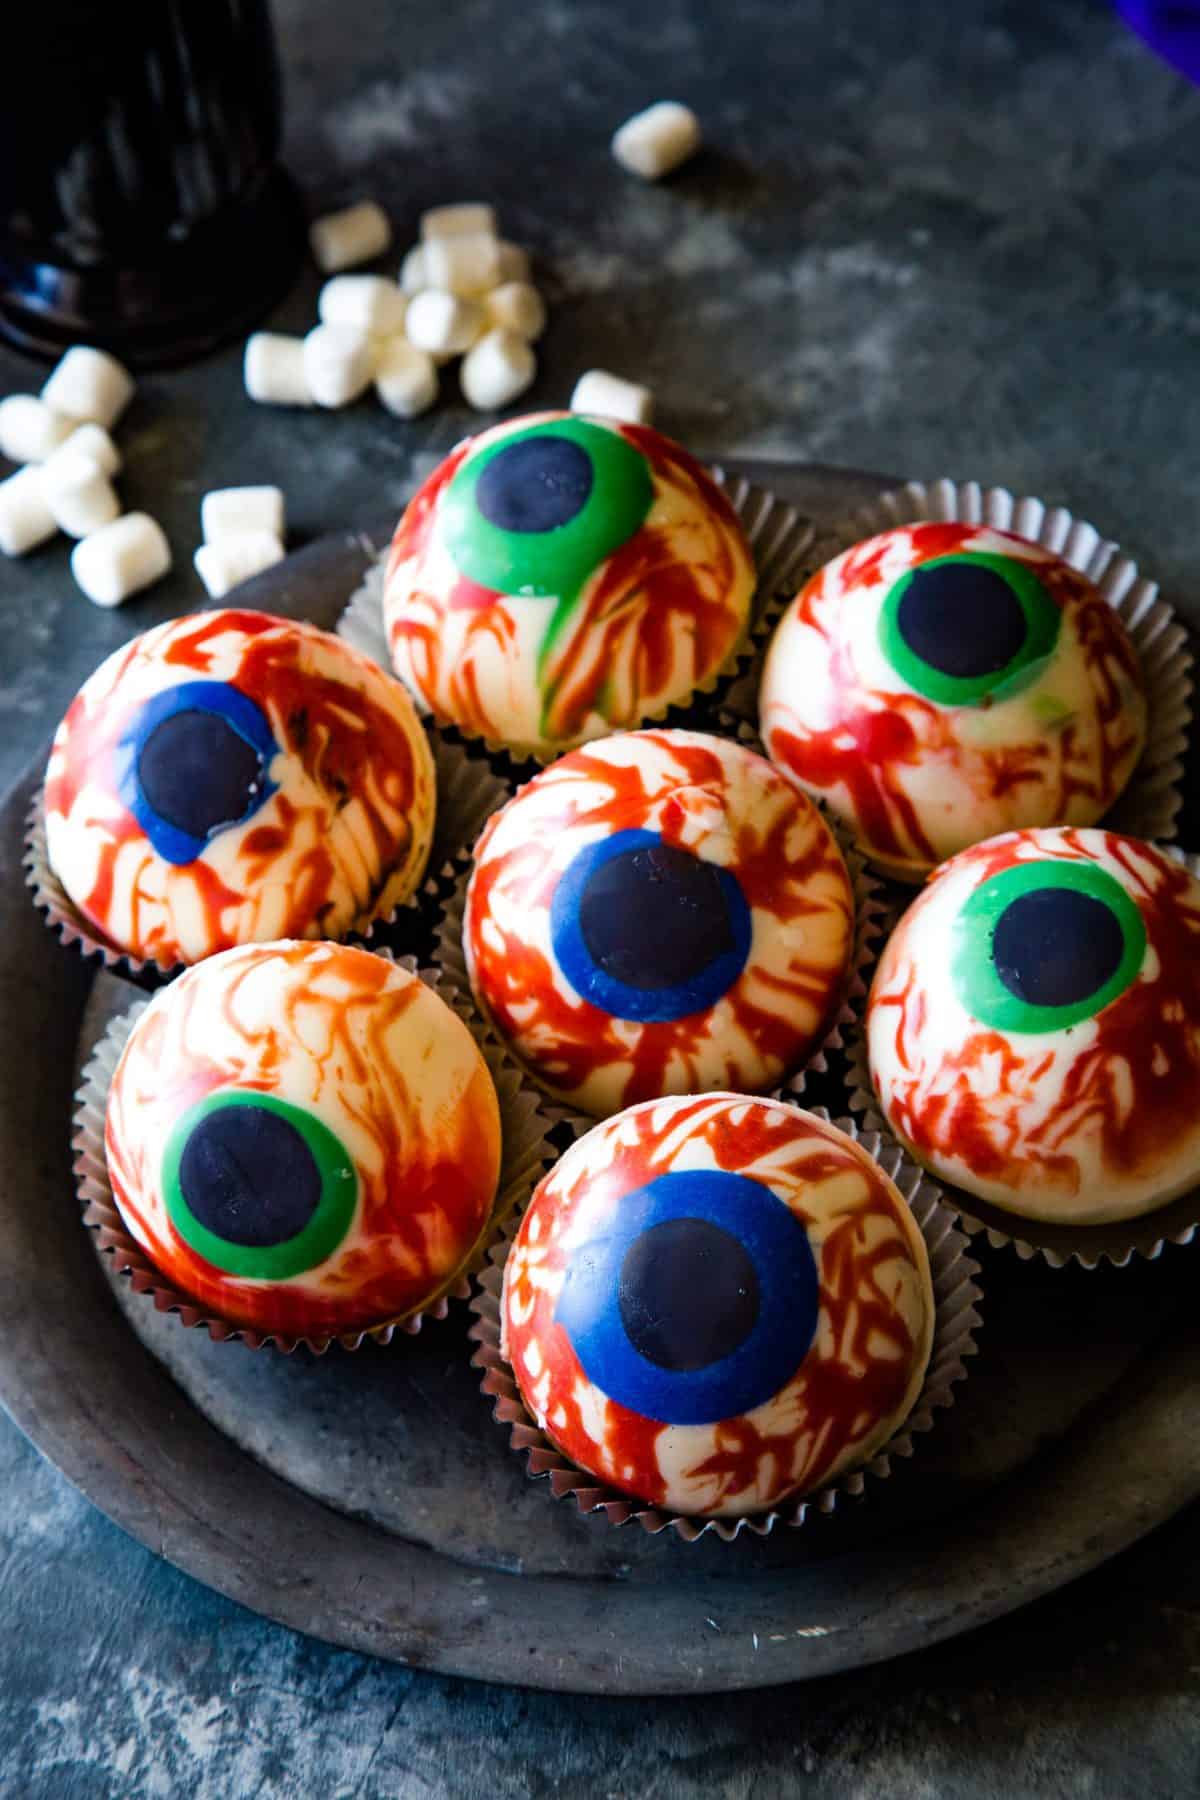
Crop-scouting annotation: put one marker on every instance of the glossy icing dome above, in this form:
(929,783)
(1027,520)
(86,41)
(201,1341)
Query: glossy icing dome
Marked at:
(558,578)
(1034,1025)
(659,912)
(234,777)
(941,683)
(716,1302)
(304,1138)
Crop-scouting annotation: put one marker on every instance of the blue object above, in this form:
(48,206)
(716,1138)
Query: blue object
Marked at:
(1173,30)
(192,763)
(647,931)
(698,1303)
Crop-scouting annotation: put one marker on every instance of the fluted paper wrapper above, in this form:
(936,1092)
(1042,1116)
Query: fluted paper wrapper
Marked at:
(779,537)
(526,1155)
(1057,1245)
(1150,804)
(467,793)
(957,1317)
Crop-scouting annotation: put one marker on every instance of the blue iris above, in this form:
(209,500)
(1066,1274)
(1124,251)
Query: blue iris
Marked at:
(193,762)
(697,1302)
(647,931)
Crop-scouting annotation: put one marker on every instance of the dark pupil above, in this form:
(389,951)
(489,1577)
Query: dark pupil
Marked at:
(537,484)
(1055,946)
(688,1294)
(248,1176)
(654,917)
(962,619)
(198,773)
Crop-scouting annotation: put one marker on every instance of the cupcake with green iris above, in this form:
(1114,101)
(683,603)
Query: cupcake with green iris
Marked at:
(559,578)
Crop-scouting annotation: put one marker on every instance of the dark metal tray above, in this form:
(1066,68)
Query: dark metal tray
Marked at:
(369,1499)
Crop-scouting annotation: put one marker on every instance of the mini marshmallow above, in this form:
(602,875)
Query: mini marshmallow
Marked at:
(609,397)
(499,367)
(89,385)
(95,442)
(405,379)
(412,272)
(443,324)
(235,558)
(25,519)
(517,307)
(464,220)
(368,303)
(274,370)
(338,364)
(30,431)
(467,264)
(354,235)
(231,512)
(121,559)
(514,262)
(79,493)
(656,141)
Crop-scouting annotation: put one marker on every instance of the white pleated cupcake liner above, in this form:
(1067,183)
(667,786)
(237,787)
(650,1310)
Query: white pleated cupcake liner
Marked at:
(526,1156)
(779,536)
(870,913)
(467,792)
(1056,1245)
(957,1299)
(1149,805)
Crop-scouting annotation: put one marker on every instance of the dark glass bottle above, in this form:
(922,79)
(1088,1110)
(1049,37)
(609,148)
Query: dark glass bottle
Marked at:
(142,207)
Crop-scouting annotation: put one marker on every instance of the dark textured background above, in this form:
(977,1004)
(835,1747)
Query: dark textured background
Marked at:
(927,238)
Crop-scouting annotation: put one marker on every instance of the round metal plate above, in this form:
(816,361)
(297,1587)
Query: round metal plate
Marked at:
(370,1500)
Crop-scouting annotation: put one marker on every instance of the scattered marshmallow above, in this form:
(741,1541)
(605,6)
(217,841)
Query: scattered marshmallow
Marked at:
(468,264)
(274,370)
(121,559)
(498,368)
(514,262)
(338,364)
(405,379)
(368,303)
(658,140)
(412,272)
(467,219)
(443,323)
(612,398)
(93,441)
(354,235)
(30,431)
(79,493)
(517,307)
(25,519)
(235,558)
(233,512)
(89,386)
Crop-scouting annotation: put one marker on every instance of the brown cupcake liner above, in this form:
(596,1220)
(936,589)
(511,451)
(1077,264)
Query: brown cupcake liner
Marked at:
(1056,1245)
(467,792)
(779,537)
(526,1156)
(1149,805)
(957,1299)
(870,913)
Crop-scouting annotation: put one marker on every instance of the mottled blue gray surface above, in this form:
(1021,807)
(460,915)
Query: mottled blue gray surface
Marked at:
(925,238)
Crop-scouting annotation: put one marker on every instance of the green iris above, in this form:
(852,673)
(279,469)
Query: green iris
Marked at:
(968,628)
(256,1186)
(1045,945)
(536,513)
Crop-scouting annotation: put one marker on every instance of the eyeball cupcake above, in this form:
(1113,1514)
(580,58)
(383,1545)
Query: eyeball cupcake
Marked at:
(1034,1026)
(232,778)
(303,1138)
(559,577)
(661,912)
(942,683)
(715,1303)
